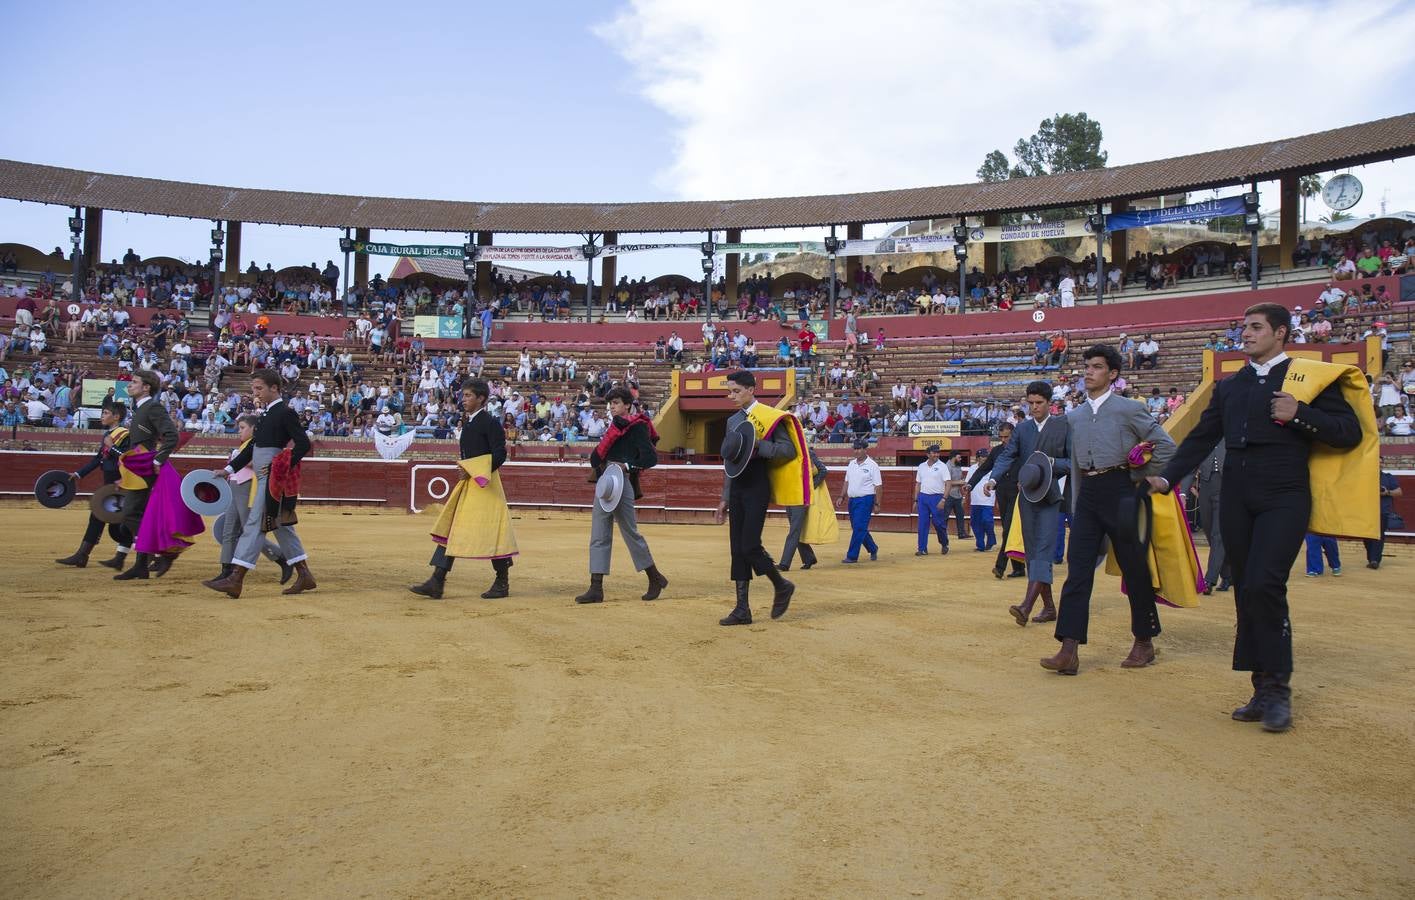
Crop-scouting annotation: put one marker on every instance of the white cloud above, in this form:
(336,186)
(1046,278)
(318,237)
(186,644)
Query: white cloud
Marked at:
(831,96)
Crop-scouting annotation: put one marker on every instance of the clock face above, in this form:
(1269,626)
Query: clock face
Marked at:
(1342,192)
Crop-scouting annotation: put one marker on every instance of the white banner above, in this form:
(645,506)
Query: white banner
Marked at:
(544,254)
(1031,231)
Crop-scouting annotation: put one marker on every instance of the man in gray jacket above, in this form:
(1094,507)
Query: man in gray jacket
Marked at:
(1104,429)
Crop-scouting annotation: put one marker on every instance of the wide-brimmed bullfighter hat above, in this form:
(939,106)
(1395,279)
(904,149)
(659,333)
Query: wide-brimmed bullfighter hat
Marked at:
(107,504)
(205,494)
(1034,479)
(738,445)
(609,488)
(54,489)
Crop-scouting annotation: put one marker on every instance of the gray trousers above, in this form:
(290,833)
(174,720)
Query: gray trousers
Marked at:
(1039,537)
(1208,518)
(602,534)
(252,538)
(796,523)
(236,524)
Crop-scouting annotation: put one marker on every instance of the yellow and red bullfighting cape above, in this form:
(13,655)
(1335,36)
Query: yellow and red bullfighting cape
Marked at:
(790,478)
(476,522)
(1345,502)
(1175,572)
(821,526)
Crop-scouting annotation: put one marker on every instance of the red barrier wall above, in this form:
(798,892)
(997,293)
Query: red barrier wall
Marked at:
(672,493)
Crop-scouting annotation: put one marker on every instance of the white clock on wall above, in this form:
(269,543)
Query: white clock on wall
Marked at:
(1342,192)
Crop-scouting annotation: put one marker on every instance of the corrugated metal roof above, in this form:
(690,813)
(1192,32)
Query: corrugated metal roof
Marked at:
(1350,145)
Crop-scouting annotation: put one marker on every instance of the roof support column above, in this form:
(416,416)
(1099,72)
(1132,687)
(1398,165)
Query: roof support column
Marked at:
(484,288)
(608,271)
(93,238)
(855,231)
(1289,201)
(1119,249)
(233,252)
(732,273)
(360,260)
(992,250)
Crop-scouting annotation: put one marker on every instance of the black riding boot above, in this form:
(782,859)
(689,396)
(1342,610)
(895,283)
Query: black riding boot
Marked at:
(742,613)
(432,588)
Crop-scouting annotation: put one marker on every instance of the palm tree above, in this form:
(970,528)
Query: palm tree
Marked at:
(1336,215)
(1308,186)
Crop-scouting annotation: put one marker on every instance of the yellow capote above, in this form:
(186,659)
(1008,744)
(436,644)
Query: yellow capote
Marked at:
(476,522)
(1345,501)
(790,478)
(1174,563)
(1015,547)
(821,526)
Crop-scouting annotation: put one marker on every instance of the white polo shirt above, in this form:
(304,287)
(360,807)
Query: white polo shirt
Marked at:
(931,476)
(862,478)
(978,497)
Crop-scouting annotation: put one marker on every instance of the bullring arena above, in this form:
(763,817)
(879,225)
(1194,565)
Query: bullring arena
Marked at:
(891,735)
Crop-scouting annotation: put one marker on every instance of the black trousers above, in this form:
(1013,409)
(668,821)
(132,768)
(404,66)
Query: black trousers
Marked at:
(747,499)
(1263,512)
(1005,501)
(134,505)
(1097,516)
(116,531)
(1376,549)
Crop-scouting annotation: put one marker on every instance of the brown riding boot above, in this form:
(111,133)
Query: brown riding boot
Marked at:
(1142,654)
(1067,661)
(1048,613)
(304,581)
(231,584)
(1020,613)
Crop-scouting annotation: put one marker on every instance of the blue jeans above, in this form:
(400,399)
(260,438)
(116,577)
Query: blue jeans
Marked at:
(983,535)
(927,507)
(1316,546)
(861,508)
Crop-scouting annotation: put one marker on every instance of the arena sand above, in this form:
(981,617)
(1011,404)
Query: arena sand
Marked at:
(893,735)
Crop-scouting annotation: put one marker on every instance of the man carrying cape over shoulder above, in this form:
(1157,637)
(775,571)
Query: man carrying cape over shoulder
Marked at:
(1301,439)
(764,455)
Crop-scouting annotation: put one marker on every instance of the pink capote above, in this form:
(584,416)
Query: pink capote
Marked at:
(167,525)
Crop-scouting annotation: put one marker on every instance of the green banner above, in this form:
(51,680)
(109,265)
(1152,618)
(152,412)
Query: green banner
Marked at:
(772,247)
(96,391)
(434,250)
(437,326)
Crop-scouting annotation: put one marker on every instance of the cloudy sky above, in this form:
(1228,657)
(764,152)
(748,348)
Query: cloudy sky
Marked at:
(658,99)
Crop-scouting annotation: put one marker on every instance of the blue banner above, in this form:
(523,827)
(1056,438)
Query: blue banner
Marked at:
(1143,218)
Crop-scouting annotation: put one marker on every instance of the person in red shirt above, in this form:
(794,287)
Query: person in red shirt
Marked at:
(807,337)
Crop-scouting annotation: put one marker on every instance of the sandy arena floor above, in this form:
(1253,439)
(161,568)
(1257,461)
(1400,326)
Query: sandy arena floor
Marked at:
(893,735)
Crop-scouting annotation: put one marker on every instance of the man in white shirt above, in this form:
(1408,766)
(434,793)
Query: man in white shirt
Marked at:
(863,480)
(1147,353)
(1068,291)
(981,503)
(930,484)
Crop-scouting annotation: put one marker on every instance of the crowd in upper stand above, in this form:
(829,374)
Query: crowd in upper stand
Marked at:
(376,378)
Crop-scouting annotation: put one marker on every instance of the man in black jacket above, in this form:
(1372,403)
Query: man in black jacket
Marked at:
(151,429)
(279,426)
(482,435)
(115,441)
(628,444)
(1266,501)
